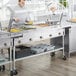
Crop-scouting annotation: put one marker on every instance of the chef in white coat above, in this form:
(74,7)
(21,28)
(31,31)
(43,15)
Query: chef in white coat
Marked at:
(19,14)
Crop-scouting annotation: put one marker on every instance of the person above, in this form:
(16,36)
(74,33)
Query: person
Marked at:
(56,14)
(19,14)
(53,7)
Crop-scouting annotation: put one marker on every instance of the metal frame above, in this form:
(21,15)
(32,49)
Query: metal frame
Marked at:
(14,60)
(12,51)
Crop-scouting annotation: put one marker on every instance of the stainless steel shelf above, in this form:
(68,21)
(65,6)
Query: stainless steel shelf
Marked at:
(34,55)
(6,61)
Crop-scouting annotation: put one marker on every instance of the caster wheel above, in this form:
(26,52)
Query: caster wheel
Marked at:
(0,68)
(14,72)
(3,67)
(11,73)
(52,54)
(64,58)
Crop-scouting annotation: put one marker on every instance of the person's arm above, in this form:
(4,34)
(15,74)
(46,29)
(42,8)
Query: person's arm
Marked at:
(12,15)
(12,18)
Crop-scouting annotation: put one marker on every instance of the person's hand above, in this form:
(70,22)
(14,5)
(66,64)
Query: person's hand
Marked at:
(16,19)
